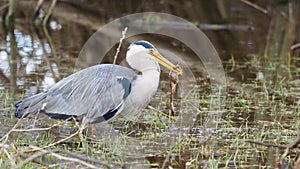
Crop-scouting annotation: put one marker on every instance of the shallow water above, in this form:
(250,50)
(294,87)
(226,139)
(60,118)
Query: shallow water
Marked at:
(262,99)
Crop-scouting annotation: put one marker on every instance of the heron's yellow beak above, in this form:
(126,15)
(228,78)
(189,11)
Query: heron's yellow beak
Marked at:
(163,61)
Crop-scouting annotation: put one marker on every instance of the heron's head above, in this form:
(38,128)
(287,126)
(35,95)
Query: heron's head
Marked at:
(142,54)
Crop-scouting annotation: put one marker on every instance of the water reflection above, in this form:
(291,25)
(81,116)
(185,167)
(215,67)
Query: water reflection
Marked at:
(21,52)
(25,59)
(254,103)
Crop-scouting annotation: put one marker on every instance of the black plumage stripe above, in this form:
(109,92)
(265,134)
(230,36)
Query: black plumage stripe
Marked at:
(126,86)
(146,44)
(59,116)
(107,116)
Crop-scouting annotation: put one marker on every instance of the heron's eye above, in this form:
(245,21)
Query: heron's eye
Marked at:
(151,51)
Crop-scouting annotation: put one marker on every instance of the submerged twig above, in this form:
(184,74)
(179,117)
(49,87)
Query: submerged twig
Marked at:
(266,144)
(42,129)
(49,13)
(54,154)
(37,9)
(255,6)
(292,145)
(295,46)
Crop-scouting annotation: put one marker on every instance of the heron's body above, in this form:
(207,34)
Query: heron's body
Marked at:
(101,91)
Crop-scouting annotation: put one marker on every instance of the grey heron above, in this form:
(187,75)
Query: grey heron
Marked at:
(121,91)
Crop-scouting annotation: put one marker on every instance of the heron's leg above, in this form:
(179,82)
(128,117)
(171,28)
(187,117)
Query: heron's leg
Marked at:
(90,131)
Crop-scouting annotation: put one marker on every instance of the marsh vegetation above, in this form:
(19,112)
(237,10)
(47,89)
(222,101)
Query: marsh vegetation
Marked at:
(259,49)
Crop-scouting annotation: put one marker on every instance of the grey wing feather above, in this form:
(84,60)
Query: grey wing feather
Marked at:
(76,94)
(31,104)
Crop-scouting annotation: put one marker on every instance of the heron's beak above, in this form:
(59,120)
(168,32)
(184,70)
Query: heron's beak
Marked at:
(163,61)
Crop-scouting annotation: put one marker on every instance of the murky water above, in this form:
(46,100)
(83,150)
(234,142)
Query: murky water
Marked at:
(262,97)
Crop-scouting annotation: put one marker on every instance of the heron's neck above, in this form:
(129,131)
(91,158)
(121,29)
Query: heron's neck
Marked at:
(148,81)
(143,88)
(150,77)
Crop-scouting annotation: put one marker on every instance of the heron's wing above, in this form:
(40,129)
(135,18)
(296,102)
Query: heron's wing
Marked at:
(99,90)
(30,104)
